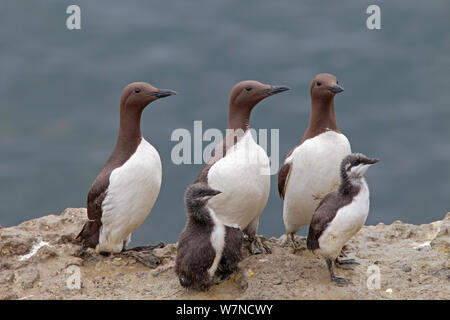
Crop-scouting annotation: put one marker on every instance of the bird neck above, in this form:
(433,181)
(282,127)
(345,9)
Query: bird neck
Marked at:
(350,185)
(130,124)
(322,118)
(198,211)
(239,116)
(130,134)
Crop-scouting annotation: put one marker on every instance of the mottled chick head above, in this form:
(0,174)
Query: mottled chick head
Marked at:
(199,193)
(355,165)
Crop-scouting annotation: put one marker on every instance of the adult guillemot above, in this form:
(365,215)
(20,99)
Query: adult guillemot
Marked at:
(341,214)
(206,245)
(239,167)
(124,192)
(311,169)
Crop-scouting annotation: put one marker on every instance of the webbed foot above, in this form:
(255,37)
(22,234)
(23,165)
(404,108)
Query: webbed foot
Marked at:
(341,281)
(257,246)
(348,264)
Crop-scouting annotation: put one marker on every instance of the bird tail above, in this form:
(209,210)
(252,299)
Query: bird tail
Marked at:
(89,234)
(312,243)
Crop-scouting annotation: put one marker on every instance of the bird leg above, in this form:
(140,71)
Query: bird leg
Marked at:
(257,246)
(337,280)
(295,244)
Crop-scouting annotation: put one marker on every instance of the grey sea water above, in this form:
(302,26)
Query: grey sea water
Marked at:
(60,90)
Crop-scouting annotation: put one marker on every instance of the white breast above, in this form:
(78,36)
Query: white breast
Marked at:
(132,192)
(347,222)
(315,168)
(243,176)
(217,241)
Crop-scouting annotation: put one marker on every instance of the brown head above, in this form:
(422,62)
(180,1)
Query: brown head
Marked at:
(137,95)
(323,118)
(324,87)
(244,96)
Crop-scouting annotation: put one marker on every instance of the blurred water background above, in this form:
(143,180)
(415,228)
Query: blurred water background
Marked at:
(60,90)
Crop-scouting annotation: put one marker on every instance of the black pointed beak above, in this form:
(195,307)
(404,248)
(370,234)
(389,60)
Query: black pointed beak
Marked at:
(336,89)
(373,161)
(214,192)
(276,89)
(210,194)
(162,93)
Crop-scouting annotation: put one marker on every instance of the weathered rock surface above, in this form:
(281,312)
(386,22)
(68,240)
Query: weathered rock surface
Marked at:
(40,260)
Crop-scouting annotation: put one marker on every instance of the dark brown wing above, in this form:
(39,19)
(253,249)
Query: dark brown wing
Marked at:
(96,195)
(218,153)
(89,234)
(283,176)
(324,213)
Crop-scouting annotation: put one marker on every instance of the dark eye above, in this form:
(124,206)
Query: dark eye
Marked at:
(248,88)
(137,90)
(319,84)
(356,162)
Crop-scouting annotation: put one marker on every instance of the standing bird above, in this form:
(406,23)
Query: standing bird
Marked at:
(311,169)
(341,214)
(124,192)
(239,167)
(205,246)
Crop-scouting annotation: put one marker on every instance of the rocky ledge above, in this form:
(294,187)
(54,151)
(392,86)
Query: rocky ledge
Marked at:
(40,260)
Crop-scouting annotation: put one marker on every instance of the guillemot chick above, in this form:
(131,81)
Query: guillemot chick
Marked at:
(311,169)
(239,167)
(206,245)
(124,192)
(341,214)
